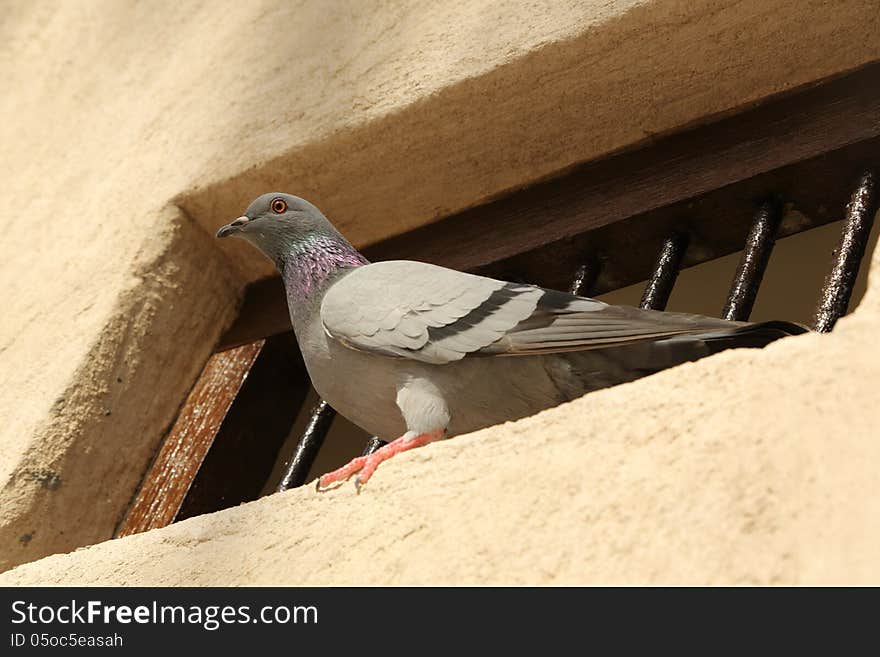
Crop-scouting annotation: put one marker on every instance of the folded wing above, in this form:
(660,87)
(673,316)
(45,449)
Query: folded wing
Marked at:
(436,315)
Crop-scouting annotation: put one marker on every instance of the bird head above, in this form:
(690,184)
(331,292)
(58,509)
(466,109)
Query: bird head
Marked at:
(279,224)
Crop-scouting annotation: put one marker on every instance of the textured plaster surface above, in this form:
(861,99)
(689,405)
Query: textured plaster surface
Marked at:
(750,467)
(121,145)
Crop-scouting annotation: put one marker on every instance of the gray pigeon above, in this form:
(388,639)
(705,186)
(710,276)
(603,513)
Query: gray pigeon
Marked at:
(412,352)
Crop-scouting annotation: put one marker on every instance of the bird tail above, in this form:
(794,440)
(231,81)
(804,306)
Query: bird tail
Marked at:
(644,358)
(601,368)
(749,336)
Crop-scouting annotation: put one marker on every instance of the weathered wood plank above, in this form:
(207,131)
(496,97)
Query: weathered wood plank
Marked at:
(169,478)
(241,458)
(776,133)
(813,192)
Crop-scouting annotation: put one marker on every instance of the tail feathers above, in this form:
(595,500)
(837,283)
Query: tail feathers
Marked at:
(645,358)
(751,335)
(601,368)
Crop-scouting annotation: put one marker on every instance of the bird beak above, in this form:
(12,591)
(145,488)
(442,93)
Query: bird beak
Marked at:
(233,227)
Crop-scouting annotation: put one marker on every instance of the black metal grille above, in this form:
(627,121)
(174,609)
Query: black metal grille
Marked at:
(848,255)
(662,280)
(756,255)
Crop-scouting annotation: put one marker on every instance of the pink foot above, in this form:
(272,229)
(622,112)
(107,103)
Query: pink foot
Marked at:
(366,465)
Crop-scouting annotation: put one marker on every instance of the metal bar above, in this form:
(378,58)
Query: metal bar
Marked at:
(660,286)
(372,445)
(848,255)
(753,263)
(297,468)
(585,277)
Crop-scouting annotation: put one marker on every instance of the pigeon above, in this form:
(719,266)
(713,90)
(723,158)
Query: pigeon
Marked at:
(413,352)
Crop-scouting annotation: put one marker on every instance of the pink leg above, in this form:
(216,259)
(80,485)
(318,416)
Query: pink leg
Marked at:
(366,465)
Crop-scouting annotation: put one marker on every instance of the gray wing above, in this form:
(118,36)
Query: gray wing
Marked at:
(437,315)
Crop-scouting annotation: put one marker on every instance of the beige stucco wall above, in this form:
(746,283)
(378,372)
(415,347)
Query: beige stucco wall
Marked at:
(116,115)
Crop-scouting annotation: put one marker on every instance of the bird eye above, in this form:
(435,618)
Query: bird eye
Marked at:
(279,206)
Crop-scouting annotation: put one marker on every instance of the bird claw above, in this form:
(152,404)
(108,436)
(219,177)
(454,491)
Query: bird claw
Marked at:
(365,466)
(323,488)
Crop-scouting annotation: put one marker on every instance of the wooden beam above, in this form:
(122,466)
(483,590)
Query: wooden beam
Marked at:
(181,455)
(813,192)
(777,133)
(246,448)
(222,447)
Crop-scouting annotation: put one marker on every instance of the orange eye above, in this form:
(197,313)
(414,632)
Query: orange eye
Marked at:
(279,206)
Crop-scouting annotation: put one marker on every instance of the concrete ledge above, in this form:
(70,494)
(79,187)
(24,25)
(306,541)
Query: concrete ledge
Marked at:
(71,487)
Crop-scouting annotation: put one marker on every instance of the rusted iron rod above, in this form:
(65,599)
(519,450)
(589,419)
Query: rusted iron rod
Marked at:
(753,263)
(297,468)
(838,287)
(656,294)
(585,277)
(373,444)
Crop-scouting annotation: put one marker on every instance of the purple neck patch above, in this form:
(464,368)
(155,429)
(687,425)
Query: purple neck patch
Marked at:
(314,261)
